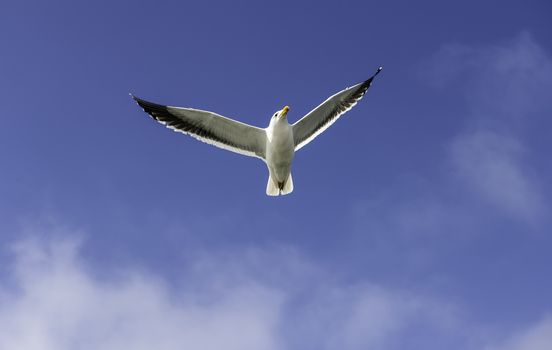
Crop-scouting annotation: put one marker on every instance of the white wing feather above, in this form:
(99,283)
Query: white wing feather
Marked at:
(210,128)
(323,116)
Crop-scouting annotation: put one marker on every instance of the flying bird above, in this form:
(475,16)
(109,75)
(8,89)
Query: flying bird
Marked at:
(275,144)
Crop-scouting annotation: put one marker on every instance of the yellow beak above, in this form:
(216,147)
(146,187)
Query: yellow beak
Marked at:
(284,111)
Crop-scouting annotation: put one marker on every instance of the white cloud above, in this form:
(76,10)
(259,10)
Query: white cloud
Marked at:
(510,81)
(507,88)
(255,299)
(490,167)
(56,301)
(536,337)
(493,165)
(371,317)
(507,80)
(57,304)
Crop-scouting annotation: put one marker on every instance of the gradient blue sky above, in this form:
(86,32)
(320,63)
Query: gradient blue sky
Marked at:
(421,219)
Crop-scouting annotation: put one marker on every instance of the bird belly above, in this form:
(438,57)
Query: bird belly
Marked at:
(279,153)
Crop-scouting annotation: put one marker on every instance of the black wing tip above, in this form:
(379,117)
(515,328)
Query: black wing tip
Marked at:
(380,68)
(149,107)
(137,99)
(368,81)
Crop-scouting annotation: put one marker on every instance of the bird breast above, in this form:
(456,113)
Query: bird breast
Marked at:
(280,146)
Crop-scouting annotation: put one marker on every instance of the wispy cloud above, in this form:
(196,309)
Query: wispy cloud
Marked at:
(492,164)
(223,302)
(503,81)
(535,337)
(506,87)
(58,304)
(489,166)
(502,93)
(270,298)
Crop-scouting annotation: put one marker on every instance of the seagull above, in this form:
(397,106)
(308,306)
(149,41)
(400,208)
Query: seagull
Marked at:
(275,145)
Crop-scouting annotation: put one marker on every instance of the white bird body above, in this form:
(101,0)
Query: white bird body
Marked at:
(275,145)
(280,149)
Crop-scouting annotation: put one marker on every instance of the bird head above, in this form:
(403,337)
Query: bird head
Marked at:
(281,113)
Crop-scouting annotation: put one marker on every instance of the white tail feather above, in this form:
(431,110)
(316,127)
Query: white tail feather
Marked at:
(273,189)
(288,186)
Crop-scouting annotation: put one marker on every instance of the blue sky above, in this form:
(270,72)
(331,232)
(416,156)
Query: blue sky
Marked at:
(421,219)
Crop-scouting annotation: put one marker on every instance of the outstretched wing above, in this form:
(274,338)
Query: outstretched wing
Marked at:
(210,128)
(320,118)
